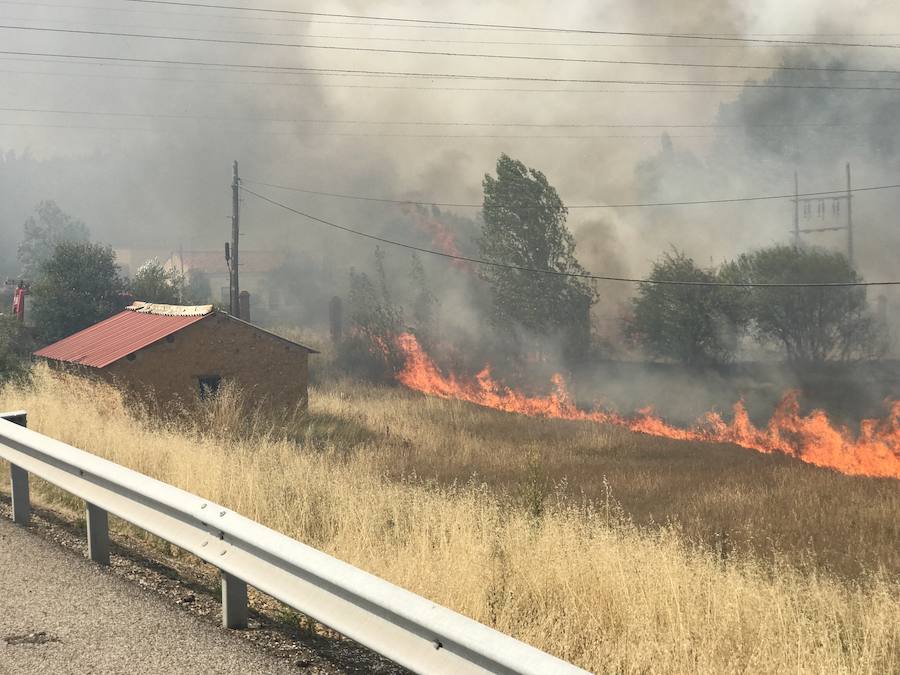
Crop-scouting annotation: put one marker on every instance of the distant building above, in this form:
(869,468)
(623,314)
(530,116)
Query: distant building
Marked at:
(182,353)
(256,269)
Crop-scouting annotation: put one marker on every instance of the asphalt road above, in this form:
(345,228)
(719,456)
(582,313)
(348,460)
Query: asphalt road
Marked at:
(60,613)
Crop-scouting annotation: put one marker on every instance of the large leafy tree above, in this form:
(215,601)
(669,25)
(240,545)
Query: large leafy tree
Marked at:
(694,325)
(812,325)
(153,282)
(48,227)
(77,286)
(525,227)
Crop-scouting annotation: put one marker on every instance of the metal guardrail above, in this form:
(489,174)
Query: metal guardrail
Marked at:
(404,627)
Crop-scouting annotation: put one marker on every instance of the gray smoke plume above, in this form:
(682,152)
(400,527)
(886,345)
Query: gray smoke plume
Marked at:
(162,182)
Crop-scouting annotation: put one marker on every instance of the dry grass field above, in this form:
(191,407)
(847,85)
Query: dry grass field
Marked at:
(721,497)
(619,552)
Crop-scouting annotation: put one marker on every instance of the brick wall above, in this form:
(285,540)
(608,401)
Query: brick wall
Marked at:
(261,365)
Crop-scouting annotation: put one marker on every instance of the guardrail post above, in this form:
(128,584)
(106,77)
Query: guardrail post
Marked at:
(234,602)
(21,502)
(97,534)
(18,477)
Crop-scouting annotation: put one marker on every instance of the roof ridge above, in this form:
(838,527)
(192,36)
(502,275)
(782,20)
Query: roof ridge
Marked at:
(159,309)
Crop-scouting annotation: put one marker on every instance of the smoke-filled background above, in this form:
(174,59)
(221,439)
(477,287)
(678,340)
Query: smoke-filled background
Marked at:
(142,152)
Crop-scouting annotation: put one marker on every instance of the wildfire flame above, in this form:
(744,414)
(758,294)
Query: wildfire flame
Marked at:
(441,236)
(812,438)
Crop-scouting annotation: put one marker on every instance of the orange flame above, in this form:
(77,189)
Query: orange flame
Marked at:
(812,438)
(441,236)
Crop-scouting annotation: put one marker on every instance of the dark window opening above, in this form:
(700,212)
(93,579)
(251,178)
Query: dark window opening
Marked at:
(132,356)
(209,386)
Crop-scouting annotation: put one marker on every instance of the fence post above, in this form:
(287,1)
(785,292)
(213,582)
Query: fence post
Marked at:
(234,602)
(18,477)
(97,534)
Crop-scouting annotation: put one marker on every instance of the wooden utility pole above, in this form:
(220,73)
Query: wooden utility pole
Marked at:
(849,218)
(235,237)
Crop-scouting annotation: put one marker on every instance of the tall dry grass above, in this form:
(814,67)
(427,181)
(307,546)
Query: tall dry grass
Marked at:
(730,499)
(575,580)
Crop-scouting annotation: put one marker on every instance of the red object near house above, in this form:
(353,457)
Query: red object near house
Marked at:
(18,307)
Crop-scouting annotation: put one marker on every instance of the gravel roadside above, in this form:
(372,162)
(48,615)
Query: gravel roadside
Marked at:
(149,612)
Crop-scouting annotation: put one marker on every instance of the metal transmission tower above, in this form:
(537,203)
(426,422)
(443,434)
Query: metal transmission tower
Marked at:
(803,207)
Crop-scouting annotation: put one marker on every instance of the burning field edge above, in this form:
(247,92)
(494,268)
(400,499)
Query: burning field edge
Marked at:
(812,438)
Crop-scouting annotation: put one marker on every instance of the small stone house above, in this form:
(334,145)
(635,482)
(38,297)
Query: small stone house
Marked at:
(182,353)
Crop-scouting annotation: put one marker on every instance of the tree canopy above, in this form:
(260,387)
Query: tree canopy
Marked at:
(812,325)
(697,326)
(153,282)
(76,287)
(43,231)
(525,226)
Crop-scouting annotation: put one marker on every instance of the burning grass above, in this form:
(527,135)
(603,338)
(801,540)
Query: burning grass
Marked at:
(520,550)
(812,438)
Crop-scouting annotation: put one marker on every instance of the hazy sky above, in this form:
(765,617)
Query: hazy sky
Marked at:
(157,172)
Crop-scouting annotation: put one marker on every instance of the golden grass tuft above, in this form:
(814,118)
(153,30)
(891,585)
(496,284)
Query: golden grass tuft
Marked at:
(572,578)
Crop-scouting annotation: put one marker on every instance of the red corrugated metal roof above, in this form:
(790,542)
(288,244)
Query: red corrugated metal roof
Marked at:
(115,338)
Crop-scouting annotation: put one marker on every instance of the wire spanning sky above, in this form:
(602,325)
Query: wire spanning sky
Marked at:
(136,135)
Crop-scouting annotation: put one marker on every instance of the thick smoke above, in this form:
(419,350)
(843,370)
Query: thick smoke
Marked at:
(164,182)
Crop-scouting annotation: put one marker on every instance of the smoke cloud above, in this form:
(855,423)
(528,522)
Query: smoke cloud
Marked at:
(163,181)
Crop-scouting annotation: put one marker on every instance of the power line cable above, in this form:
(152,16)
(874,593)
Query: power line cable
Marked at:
(432,40)
(429,123)
(338,134)
(28,58)
(452,76)
(426,25)
(416,52)
(420,40)
(231,17)
(484,90)
(729,200)
(578,275)
(541,29)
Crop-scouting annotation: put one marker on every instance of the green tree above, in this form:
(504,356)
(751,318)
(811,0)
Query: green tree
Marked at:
(79,285)
(153,282)
(15,346)
(43,231)
(370,349)
(694,325)
(812,325)
(525,226)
